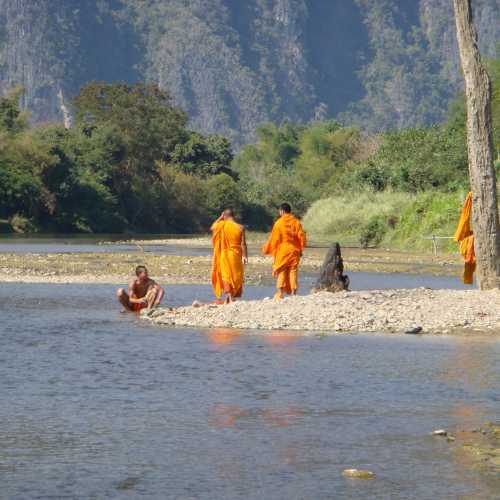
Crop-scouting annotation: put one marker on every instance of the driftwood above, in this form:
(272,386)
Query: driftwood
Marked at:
(332,277)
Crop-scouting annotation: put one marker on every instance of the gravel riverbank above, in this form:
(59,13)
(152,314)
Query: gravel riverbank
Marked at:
(432,311)
(116,267)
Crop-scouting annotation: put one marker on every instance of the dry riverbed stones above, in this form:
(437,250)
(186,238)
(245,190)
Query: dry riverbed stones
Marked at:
(417,311)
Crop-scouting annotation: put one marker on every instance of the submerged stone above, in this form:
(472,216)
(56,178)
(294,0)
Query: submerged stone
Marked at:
(358,474)
(440,432)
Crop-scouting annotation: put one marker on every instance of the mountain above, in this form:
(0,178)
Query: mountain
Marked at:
(233,64)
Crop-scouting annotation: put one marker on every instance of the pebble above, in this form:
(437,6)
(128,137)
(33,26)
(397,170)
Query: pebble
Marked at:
(440,432)
(358,473)
(414,331)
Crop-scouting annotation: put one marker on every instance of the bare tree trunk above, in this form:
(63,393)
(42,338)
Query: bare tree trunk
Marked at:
(480,148)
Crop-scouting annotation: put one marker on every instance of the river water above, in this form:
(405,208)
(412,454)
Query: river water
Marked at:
(44,244)
(98,404)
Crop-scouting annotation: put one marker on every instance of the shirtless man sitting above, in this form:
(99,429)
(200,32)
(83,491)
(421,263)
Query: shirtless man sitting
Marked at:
(143,292)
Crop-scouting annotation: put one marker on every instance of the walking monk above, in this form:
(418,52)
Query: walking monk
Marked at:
(286,243)
(230,253)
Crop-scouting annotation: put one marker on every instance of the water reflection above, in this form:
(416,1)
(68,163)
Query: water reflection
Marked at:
(225,415)
(472,363)
(471,367)
(282,338)
(223,336)
(229,415)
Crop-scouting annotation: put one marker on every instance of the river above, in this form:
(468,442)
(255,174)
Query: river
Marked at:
(98,404)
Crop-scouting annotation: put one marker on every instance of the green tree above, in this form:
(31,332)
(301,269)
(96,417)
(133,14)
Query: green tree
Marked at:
(12,119)
(150,125)
(78,180)
(223,192)
(203,156)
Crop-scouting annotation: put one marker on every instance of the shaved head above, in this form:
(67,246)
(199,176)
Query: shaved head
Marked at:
(228,213)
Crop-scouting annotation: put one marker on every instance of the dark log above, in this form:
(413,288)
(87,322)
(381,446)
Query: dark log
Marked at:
(332,277)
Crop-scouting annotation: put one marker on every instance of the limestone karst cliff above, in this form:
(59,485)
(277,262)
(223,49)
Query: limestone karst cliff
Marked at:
(233,64)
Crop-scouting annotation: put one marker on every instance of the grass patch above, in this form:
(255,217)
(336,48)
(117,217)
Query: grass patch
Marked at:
(389,219)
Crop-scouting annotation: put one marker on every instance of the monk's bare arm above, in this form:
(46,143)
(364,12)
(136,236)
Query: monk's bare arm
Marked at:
(244,247)
(212,227)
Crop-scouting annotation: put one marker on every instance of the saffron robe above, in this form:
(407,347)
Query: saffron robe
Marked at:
(286,243)
(465,237)
(227,263)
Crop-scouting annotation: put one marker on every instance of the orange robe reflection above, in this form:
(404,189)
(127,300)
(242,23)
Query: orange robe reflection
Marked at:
(465,237)
(227,263)
(286,243)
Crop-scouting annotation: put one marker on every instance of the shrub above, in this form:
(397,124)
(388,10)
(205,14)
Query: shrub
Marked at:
(223,192)
(344,218)
(21,224)
(373,231)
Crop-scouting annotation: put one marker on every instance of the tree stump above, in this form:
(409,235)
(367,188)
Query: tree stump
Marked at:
(332,277)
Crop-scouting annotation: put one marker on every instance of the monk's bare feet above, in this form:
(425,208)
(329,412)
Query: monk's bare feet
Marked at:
(278,296)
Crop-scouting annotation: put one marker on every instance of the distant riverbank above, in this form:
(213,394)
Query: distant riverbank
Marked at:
(187,261)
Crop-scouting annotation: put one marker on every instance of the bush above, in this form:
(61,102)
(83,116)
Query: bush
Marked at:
(398,220)
(343,218)
(21,224)
(223,192)
(373,231)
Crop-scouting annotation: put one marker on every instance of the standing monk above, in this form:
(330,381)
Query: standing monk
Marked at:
(230,253)
(286,243)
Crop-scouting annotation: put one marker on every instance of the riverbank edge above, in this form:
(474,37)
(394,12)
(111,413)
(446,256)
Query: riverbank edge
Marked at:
(415,311)
(111,268)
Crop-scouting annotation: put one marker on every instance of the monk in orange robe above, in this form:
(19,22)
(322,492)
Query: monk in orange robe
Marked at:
(230,255)
(286,244)
(465,237)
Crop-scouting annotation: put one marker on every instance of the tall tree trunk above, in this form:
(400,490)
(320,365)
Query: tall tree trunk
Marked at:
(480,149)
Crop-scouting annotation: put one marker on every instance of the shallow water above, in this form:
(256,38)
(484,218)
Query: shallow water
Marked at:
(382,281)
(97,404)
(43,244)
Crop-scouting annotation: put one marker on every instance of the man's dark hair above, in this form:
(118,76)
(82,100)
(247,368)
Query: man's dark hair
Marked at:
(286,208)
(140,269)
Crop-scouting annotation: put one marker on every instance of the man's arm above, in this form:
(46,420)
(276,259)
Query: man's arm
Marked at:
(132,296)
(154,294)
(212,227)
(244,247)
(302,238)
(270,247)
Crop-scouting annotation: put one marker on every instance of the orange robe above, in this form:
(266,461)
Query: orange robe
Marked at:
(227,263)
(286,243)
(465,237)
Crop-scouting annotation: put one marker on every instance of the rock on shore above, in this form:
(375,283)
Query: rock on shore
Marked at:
(432,311)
